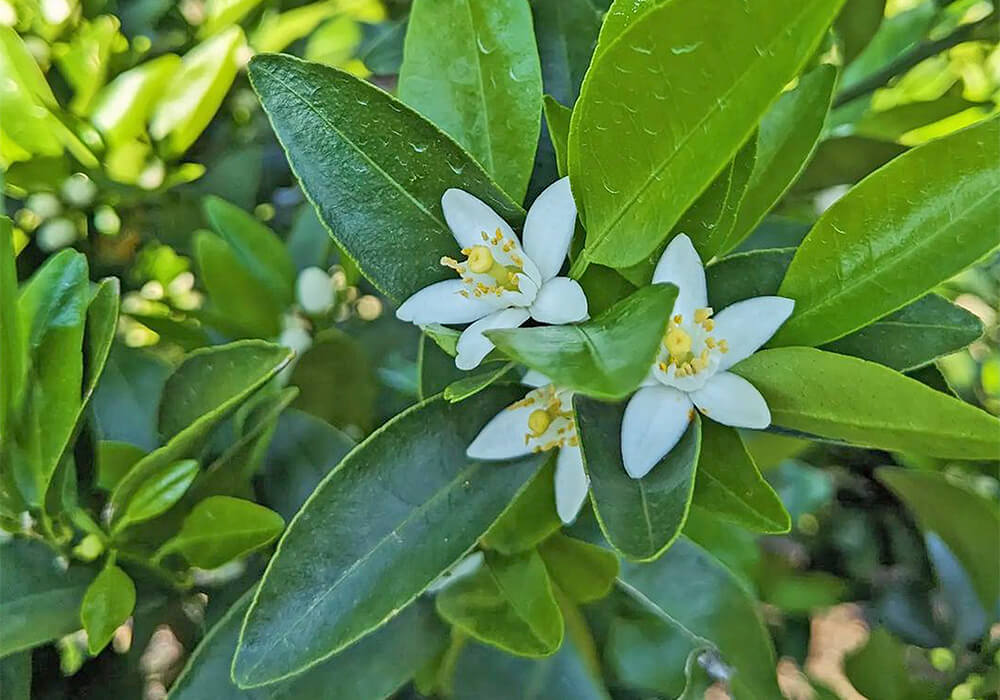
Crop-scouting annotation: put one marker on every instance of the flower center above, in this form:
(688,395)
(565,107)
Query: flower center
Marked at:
(551,425)
(538,422)
(482,269)
(689,348)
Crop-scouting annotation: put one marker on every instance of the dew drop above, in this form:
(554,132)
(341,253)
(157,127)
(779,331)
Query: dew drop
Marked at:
(687,48)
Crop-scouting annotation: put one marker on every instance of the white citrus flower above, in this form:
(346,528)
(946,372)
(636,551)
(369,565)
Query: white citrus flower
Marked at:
(502,284)
(314,290)
(690,371)
(541,421)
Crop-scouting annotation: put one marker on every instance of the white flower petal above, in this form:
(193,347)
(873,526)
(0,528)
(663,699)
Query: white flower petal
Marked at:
(571,483)
(534,378)
(655,419)
(503,436)
(731,400)
(548,228)
(469,217)
(681,265)
(442,303)
(748,324)
(560,300)
(473,346)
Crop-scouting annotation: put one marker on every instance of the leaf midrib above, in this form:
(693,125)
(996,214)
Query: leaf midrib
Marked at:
(733,494)
(631,199)
(482,91)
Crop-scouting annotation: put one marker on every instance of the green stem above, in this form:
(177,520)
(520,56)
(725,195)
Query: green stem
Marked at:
(909,59)
(579,266)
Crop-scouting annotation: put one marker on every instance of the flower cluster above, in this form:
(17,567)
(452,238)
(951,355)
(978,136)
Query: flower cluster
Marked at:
(501,284)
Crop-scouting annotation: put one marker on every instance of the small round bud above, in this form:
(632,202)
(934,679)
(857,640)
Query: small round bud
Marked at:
(315,290)
(942,659)
(44,204)
(56,234)
(79,190)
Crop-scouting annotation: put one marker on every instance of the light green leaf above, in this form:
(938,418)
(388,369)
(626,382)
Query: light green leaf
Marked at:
(84,60)
(710,220)
(697,599)
(878,669)
(471,67)
(102,324)
(12,349)
(619,17)
(25,91)
(220,529)
(507,603)
(220,14)
(729,486)
(204,389)
(277,30)
(857,24)
(374,667)
(239,304)
(125,402)
(400,509)
(566,33)
(606,356)
(39,599)
(196,91)
(637,162)
(154,496)
(968,523)
(345,140)
(114,459)
(107,605)
(640,517)
(844,398)
(788,136)
(557,119)
(123,106)
(530,518)
(52,308)
(257,248)
(336,360)
(474,383)
(211,380)
(583,571)
(914,223)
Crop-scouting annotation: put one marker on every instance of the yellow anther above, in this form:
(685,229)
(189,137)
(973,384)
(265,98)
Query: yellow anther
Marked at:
(678,318)
(708,325)
(538,422)
(662,366)
(723,346)
(485,236)
(698,364)
(702,315)
(497,237)
(678,342)
(709,342)
(704,356)
(480,259)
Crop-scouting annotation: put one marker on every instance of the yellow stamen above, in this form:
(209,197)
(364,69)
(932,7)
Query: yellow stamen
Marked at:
(708,325)
(723,346)
(678,318)
(480,259)
(702,315)
(709,342)
(538,422)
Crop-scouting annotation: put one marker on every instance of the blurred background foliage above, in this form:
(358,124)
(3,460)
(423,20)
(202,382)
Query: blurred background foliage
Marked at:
(129,131)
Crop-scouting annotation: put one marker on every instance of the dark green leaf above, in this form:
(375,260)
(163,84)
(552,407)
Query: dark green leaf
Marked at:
(605,287)
(844,398)
(746,275)
(968,523)
(638,161)
(916,222)
(474,383)
(435,368)
(128,393)
(335,381)
(729,485)
(372,668)
(530,518)
(878,669)
(508,603)
(102,323)
(845,160)
(857,24)
(258,248)
(607,356)
(220,529)
(154,495)
(374,169)
(913,336)
(39,599)
(15,676)
(640,517)
(788,136)
(107,605)
(381,49)
(700,600)
(301,452)
(566,32)
(403,507)
(471,67)
(583,571)
(114,459)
